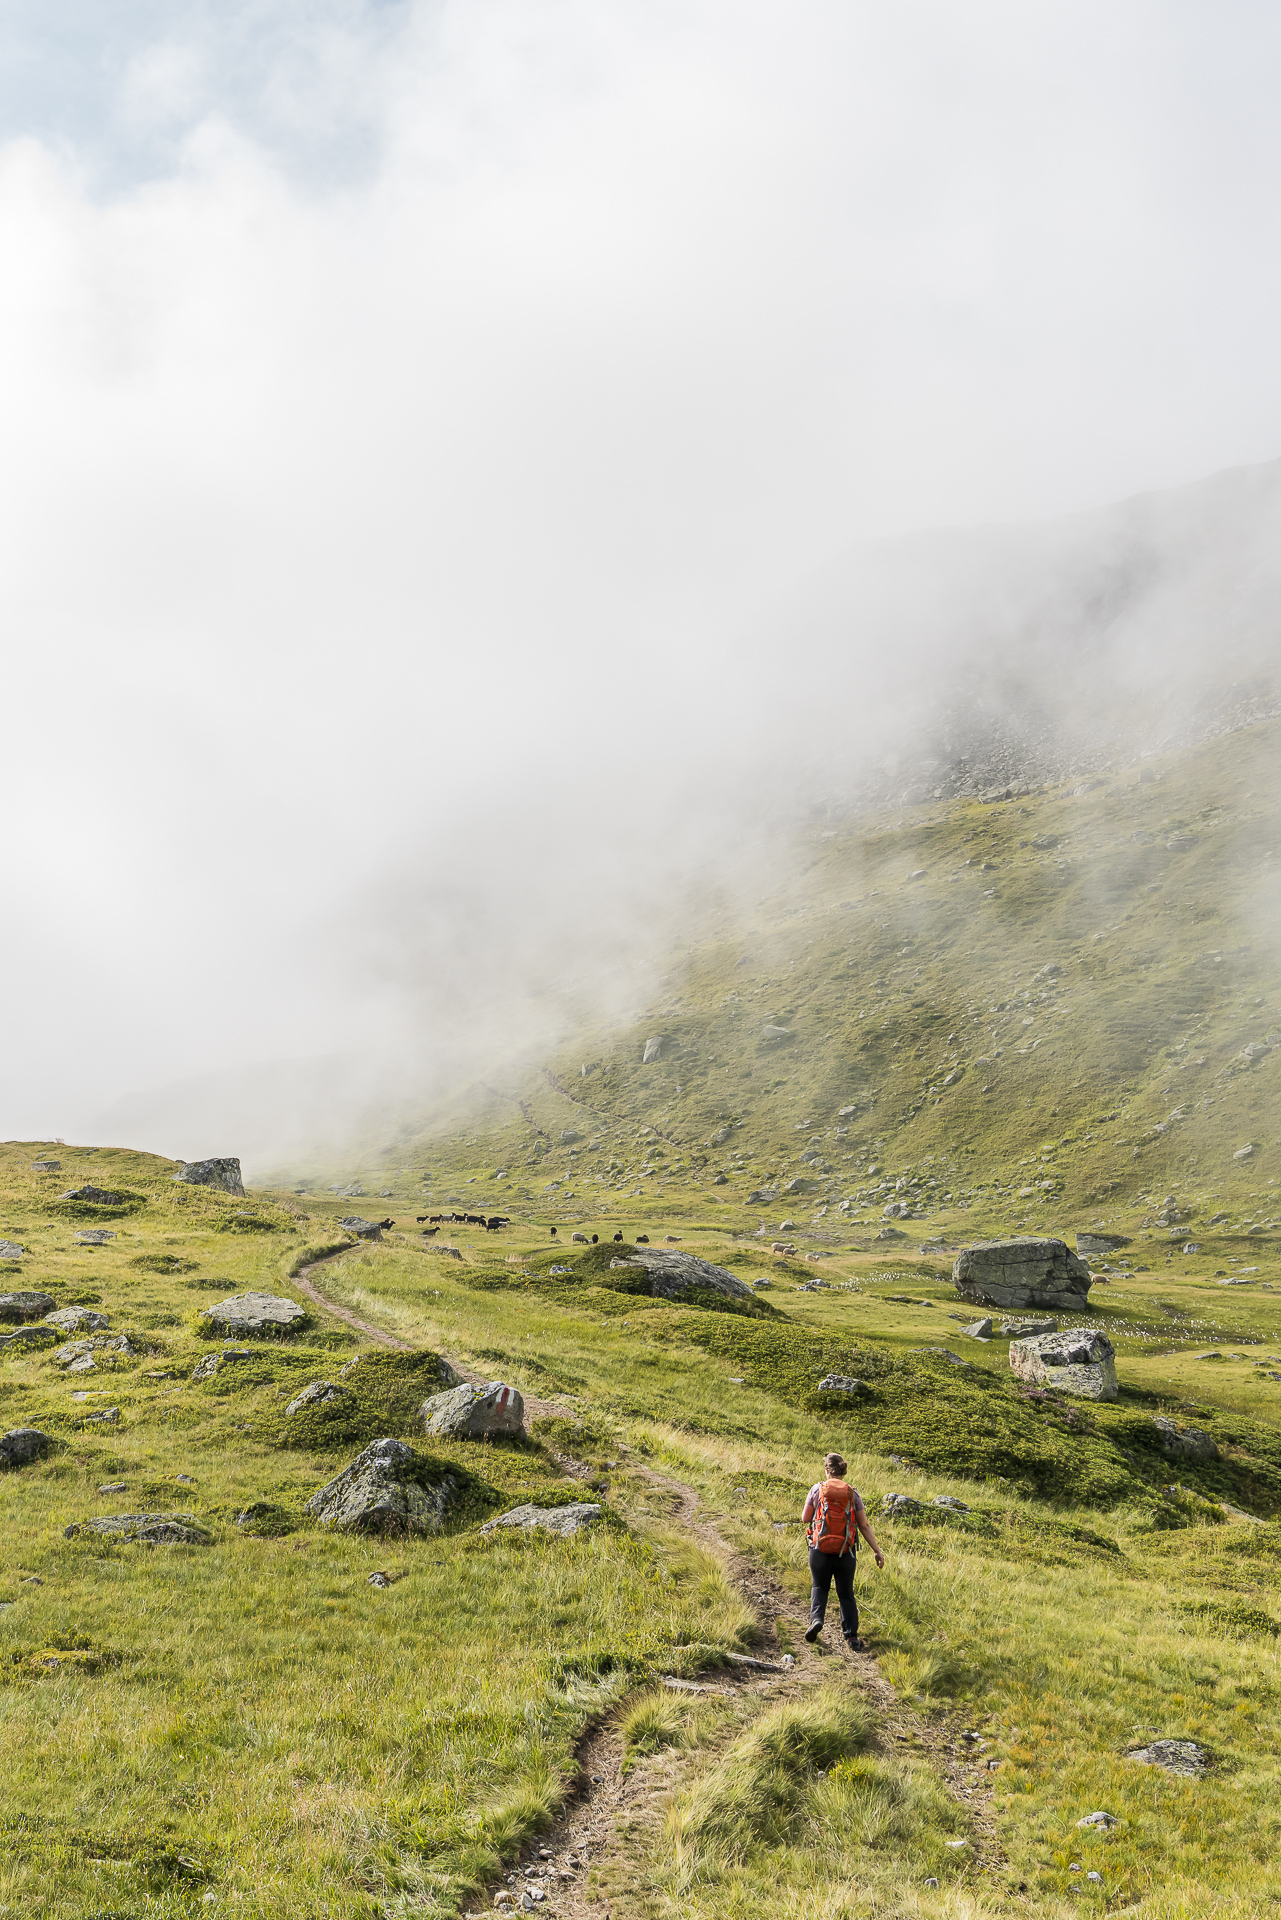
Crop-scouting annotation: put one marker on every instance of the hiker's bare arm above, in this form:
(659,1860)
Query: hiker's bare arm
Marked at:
(865,1528)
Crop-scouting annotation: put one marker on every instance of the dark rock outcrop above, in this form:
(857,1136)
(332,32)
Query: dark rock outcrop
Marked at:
(25,1306)
(21,1445)
(212,1173)
(673,1274)
(386,1489)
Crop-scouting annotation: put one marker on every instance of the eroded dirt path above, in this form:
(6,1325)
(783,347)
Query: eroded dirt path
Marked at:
(584,1865)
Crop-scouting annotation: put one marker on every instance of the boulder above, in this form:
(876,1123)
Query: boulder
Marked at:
(1184,1443)
(96,1196)
(206,1369)
(321,1393)
(363,1229)
(247,1315)
(843,1383)
(386,1489)
(76,1320)
(1080,1361)
(95,1236)
(653,1047)
(1183,1757)
(1022,1273)
(1024,1329)
(1104,1822)
(82,1356)
(674,1274)
(760,1196)
(900,1503)
(468,1412)
(21,1445)
(212,1173)
(565,1521)
(145,1529)
(979,1330)
(950,1501)
(25,1306)
(11,1250)
(1097,1246)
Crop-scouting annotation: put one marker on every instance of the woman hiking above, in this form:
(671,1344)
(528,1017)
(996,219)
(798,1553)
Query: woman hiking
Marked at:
(834,1513)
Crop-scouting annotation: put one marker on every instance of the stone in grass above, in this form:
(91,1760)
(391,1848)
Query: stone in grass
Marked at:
(469,1412)
(1079,1361)
(1022,1273)
(900,1503)
(108,1417)
(1184,1443)
(363,1229)
(563,1521)
(979,1330)
(843,1383)
(387,1489)
(1101,1821)
(145,1530)
(25,1306)
(76,1320)
(246,1315)
(21,1445)
(206,1369)
(321,1393)
(82,1356)
(1186,1758)
(950,1501)
(11,1250)
(1024,1329)
(672,1275)
(212,1173)
(95,1236)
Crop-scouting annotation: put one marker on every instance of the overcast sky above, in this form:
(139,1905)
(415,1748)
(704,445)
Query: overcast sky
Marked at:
(420,419)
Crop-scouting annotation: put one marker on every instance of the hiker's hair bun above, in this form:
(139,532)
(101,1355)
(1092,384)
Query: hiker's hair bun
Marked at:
(834,1464)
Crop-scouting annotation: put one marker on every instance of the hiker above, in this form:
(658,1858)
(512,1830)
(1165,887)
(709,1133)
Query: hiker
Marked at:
(834,1514)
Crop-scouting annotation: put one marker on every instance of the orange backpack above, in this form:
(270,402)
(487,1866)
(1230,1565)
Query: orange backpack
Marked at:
(832,1528)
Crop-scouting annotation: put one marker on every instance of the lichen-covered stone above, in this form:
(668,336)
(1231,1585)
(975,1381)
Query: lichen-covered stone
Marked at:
(206,1369)
(565,1521)
(27,1337)
(255,1315)
(145,1529)
(469,1412)
(1184,1443)
(1079,1361)
(673,1274)
(212,1173)
(15,1307)
(1011,1274)
(363,1229)
(321,1393)
(76,1320)
(386,1490)
(843,1383)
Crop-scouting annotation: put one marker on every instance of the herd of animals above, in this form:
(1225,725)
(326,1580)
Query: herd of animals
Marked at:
(431,1223)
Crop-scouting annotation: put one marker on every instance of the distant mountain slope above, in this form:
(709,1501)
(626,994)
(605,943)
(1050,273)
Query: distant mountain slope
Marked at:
(1056,1009)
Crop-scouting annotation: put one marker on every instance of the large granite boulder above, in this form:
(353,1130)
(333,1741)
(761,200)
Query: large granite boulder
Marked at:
(387,1489)
(1022,1273)
(467,1412)
(1079,1360)
(212,1173)
(11,1249)
(25,1306)
(145,1529)
(565,1521)
(249,1315)
(673,1274)
(21,1445)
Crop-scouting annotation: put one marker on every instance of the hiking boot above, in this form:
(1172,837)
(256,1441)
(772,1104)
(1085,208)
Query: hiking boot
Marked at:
(857,1644)
(813,1630)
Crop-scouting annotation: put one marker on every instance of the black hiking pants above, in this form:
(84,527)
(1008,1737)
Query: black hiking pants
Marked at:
(824,1569)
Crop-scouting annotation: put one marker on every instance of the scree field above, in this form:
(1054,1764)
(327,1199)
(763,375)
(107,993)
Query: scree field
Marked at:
(1054,1013)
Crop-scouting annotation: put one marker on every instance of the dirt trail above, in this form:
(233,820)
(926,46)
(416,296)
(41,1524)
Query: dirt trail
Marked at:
(587,1834)
(590,1832)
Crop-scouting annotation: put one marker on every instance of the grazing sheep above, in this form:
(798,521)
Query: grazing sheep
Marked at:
(673,1239)
(618,1236)
(595,1239)
(553,1233)
(642,1239)
(579,1240)
(430,1232)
